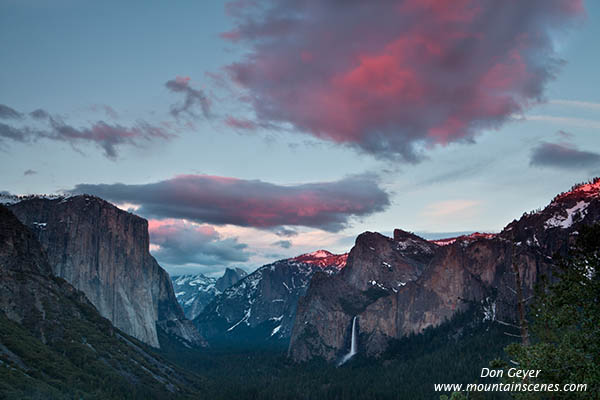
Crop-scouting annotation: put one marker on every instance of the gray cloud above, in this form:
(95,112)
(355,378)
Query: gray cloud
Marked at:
(193,98)
(16,134)
(563,156)
(284,231)
(285,244)
(109,137)
(29,172)
(39,114)
(187,244)
(221,200)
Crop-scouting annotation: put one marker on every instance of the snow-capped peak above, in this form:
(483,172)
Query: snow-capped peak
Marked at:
(323,258)
(318,254)
(9,199)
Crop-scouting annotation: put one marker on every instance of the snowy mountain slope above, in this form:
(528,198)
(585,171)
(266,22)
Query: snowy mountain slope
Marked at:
(261,307)
(194,292)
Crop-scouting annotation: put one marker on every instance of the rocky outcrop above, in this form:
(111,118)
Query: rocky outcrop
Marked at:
(403,285)
(230,277)
(196,291)
(104,252)
(377,267)
(260,308)
(47,325)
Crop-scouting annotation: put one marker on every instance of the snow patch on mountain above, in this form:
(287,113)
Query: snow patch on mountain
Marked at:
(266,299)
(575,213)
(245,319)
(196,291)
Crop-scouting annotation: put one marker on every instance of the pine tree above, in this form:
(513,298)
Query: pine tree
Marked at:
(566,324)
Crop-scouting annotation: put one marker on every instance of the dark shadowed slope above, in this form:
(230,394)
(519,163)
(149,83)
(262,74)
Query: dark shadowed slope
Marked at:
(54,343)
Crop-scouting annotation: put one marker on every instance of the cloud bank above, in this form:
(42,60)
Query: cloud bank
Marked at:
(250,203)
(178,242)
(393,77)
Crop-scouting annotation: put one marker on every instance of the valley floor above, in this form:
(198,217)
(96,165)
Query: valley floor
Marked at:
(408,370)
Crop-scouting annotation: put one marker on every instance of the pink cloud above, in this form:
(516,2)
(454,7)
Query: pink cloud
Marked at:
(252,203)
(389,77)
(451,208)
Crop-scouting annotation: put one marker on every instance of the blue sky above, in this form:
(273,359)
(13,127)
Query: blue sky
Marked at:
(84,62)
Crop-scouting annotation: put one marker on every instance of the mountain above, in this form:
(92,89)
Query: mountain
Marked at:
(405,284)
(194,292)
(230,277)
(104,252)
(260,308)
(55,344)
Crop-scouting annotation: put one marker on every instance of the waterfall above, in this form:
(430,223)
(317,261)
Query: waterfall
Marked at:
(354,338)
(353,343)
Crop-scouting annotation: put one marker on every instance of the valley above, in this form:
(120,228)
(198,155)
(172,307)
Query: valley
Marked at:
(320,324)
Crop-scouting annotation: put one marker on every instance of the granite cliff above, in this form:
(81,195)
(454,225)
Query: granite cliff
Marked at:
(104,252)
(230,277)
(402,285)
(55,344)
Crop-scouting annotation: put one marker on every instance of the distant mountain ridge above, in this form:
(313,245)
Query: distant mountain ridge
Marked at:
(461,238)
(260,308)
(196,291)
(104,252)
(230,277)
(402,285)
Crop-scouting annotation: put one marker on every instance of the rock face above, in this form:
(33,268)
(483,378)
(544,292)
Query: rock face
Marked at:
(194,292)
(403,285)
(230,277)
(22,255)
(260,308)
(47,324)
(104,252)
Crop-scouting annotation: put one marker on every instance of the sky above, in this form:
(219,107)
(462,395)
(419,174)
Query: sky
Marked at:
(254,130)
